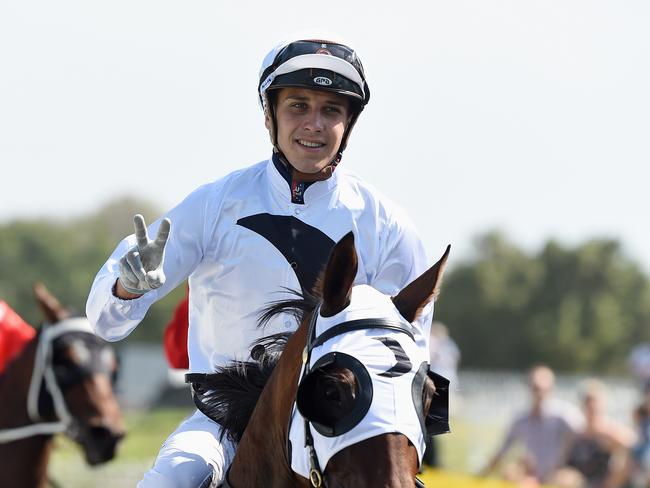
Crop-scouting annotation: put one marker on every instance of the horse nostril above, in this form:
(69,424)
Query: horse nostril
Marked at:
(100,443)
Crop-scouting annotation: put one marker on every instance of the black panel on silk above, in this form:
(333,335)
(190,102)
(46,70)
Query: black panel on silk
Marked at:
(305,248)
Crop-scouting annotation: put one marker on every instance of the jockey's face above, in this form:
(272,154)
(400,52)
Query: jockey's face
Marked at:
(310,126)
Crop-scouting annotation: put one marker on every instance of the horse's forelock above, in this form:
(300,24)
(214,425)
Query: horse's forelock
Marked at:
(298,307)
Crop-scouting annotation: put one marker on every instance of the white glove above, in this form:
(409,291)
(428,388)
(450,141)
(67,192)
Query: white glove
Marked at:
(141,268)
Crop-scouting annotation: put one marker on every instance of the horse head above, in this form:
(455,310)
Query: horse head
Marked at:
(365,390)
(350,400)
(77,370)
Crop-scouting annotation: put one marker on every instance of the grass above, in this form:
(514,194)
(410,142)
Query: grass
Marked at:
(146,433)
(462,452)
(467,447)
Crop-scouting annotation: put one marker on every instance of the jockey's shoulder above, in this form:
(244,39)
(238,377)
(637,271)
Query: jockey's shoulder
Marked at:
(236,176)
(221,185)
(386,206)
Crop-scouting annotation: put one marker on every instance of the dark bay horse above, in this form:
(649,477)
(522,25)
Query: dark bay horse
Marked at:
(346,400)
(60,382)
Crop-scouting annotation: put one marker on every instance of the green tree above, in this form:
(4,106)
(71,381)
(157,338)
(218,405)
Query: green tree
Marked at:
(577,309)
(66,255)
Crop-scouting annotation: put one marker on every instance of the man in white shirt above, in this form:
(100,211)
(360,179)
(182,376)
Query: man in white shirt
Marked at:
(545,431)
(444,357)
(244,238)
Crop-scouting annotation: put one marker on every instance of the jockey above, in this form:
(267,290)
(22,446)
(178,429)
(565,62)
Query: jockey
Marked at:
(246,238)
(14,334)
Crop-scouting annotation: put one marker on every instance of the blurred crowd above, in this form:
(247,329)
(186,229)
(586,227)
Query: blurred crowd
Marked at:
(567,446)
(557,443)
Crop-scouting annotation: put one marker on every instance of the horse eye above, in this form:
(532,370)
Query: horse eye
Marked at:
(64,367)
(338,388)
(332,393)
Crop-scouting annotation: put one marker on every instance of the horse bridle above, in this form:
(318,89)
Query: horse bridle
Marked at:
(43,373)
(316,477)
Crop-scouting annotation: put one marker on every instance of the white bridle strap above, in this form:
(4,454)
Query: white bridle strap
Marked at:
(42,370)
(17,433)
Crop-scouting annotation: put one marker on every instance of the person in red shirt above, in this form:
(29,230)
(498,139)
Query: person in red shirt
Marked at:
(15,333)
(175,336)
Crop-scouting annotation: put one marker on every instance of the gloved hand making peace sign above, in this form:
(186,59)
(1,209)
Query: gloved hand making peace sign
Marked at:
(141,268)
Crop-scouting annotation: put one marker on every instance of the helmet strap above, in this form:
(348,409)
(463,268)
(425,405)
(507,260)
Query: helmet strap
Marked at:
(346,134)
(298,176)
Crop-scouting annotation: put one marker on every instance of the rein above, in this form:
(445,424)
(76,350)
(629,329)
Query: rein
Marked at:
(43,373)
(315,473)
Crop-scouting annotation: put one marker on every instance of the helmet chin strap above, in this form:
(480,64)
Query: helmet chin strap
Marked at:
(299,176)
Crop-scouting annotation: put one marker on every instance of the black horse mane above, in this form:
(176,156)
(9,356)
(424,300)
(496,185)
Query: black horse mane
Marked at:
(298,307)
(230,394)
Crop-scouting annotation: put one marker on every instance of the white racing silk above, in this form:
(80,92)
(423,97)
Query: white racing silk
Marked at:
(217,240)
(392,409)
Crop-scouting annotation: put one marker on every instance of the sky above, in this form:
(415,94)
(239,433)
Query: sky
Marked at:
(532,117)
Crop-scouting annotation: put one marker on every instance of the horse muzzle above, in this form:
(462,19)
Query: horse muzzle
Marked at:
(99,442)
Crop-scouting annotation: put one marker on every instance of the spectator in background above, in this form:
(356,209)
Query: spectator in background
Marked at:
(641,450)
(599,452)
(444,357)
(444,354)
(545,431)
(639,362)
(14,334)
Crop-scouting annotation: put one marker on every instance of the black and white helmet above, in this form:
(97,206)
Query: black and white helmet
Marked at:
(317,64)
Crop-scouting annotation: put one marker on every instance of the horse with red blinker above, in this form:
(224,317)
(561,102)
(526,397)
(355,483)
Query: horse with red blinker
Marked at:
(60,382)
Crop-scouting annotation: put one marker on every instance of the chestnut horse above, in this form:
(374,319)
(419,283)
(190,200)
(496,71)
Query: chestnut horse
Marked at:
(60,382)
(346,401)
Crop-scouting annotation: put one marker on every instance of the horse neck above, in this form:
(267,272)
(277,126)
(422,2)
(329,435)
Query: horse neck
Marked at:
(261,454)
(24,461)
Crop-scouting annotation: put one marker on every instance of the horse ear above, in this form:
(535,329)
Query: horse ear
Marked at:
(339,276)
(49,305)
(414,297)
